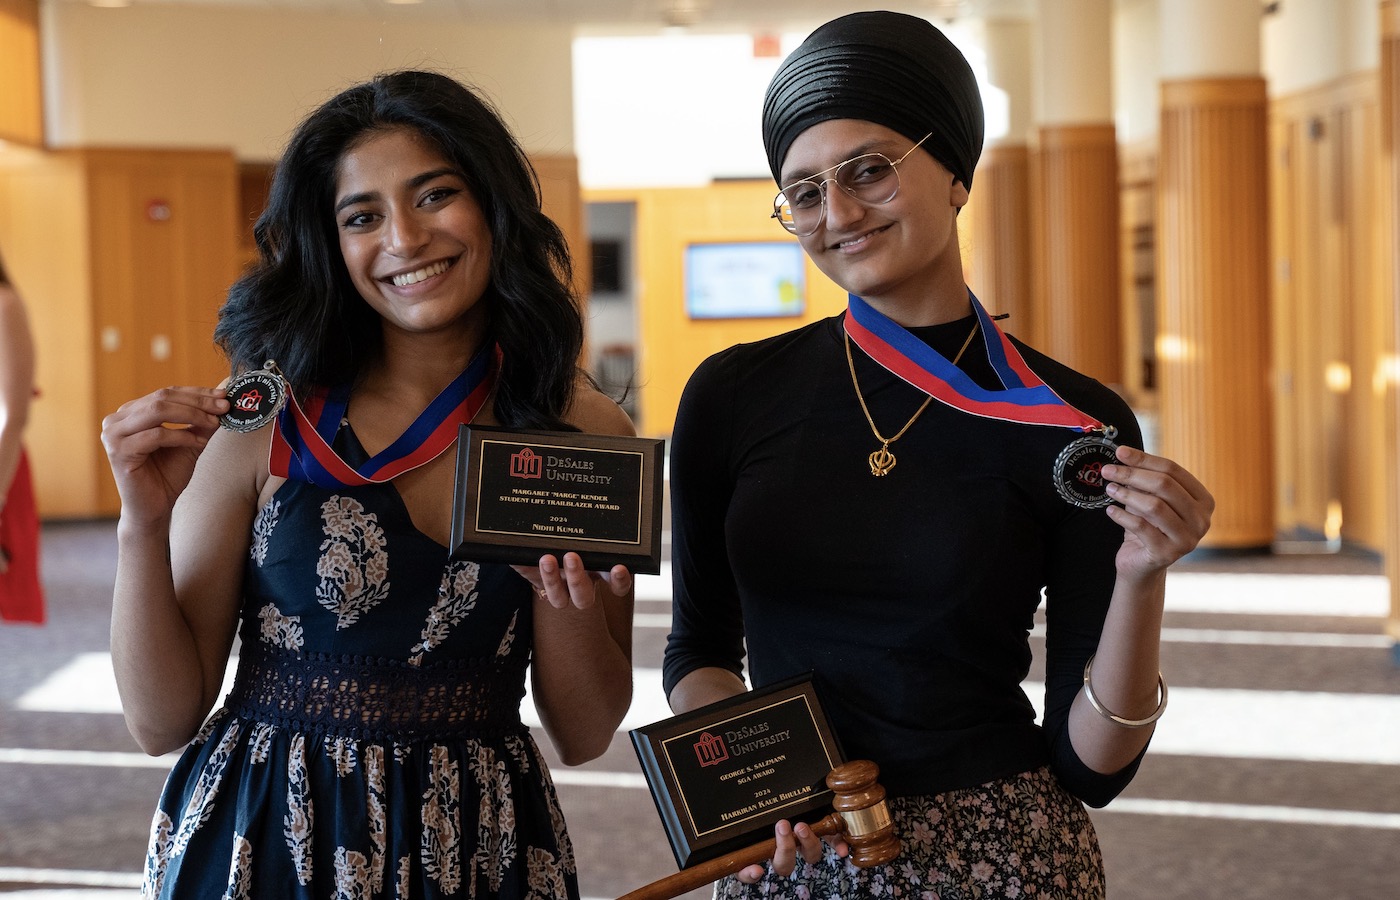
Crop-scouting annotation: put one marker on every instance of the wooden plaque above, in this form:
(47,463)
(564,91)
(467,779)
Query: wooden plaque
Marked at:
(724,774)
(522,494)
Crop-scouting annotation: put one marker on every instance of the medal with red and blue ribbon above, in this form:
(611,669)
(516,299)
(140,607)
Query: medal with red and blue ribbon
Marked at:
(301,446)
(1025,398)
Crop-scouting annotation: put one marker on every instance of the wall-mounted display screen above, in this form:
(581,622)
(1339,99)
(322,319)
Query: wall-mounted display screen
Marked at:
(744,280)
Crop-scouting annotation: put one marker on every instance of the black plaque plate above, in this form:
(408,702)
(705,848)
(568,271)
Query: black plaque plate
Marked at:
(522,494)
(722,775)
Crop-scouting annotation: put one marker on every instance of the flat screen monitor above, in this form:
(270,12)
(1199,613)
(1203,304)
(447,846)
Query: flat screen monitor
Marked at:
(744,280)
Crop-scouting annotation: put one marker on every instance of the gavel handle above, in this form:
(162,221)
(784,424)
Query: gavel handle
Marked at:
(712,870)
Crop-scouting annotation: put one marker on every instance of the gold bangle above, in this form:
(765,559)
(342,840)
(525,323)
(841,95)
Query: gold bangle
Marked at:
(1119,720)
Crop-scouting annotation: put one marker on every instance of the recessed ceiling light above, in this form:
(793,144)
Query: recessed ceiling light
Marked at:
(110,4)
(403,2)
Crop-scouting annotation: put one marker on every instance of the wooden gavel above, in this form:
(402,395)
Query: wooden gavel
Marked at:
(860,816)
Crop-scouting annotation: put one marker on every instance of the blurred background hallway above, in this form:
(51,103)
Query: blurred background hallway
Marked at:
(1227,168)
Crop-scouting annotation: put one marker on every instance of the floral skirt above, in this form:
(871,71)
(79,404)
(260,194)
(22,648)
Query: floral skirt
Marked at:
(256,811)
(1022,836)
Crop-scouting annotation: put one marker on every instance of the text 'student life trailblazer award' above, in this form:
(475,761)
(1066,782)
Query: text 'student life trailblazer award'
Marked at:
(522,494)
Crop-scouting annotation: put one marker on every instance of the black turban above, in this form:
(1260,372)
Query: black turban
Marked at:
(894,70)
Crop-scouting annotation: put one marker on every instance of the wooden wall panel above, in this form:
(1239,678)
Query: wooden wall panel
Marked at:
(562,200)
(122,298)
(1369,326)
(1389,125)
(1077,322)
(1309,328)
(1213,325)
(254,184)
(49,263)
(1332,317)
(164,249)
(1294,489)
(1137,179)
(208,261)
(21,75)
(1000,273)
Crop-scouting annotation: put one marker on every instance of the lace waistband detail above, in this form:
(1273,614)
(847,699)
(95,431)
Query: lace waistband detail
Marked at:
(375,699)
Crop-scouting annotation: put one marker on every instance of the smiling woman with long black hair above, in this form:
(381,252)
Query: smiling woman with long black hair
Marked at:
(372,746)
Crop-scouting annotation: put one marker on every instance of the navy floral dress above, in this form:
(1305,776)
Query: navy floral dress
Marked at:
(372,745)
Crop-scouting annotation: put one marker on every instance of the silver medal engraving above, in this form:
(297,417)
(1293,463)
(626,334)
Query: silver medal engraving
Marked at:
(254,399)
(1078,476)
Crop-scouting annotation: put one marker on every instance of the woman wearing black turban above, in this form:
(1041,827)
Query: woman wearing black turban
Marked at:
(828,517)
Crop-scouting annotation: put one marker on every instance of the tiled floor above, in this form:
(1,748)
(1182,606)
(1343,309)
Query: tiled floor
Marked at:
(1275,774)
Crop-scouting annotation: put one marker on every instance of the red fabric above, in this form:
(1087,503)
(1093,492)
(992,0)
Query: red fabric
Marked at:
(21,593)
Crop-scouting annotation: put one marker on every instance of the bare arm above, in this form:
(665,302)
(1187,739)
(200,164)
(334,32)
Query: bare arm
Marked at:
(16,383)
(701,687)
(189,495)
(582,669)
(1165,513)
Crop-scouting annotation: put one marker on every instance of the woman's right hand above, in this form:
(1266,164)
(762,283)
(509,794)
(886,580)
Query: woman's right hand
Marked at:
(790,842)
(152,444)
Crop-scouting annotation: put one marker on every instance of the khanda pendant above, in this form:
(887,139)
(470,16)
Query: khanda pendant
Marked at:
(882,461)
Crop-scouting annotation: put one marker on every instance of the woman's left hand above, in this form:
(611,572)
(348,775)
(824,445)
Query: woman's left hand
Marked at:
(570,583)
(789,843)
(1165,510)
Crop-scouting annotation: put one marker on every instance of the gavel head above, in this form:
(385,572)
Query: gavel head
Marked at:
(860,802)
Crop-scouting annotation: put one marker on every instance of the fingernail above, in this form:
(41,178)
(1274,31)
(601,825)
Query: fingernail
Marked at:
(784,828)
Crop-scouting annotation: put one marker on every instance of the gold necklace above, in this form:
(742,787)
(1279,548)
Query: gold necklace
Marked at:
(882,460)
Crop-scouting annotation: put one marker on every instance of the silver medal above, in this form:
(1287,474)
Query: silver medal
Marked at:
(1078,476)
(255,398)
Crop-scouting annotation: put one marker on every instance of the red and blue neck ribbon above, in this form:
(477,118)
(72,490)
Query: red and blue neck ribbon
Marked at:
(1026,399)
(301,445)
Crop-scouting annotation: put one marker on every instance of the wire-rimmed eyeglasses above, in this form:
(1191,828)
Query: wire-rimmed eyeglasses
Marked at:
(871,178)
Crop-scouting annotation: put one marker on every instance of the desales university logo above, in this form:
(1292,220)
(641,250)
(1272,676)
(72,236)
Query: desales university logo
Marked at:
(564,469)
(711,750)
(526,464)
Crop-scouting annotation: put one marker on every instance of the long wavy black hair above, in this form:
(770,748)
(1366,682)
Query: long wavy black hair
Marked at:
(297,305)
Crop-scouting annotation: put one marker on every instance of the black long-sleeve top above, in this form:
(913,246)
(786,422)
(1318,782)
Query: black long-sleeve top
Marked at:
(910,596)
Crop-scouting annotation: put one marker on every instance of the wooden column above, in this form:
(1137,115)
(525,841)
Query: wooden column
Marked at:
(1213,325)
(1077,316)
(1001,243)
(1390,139)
